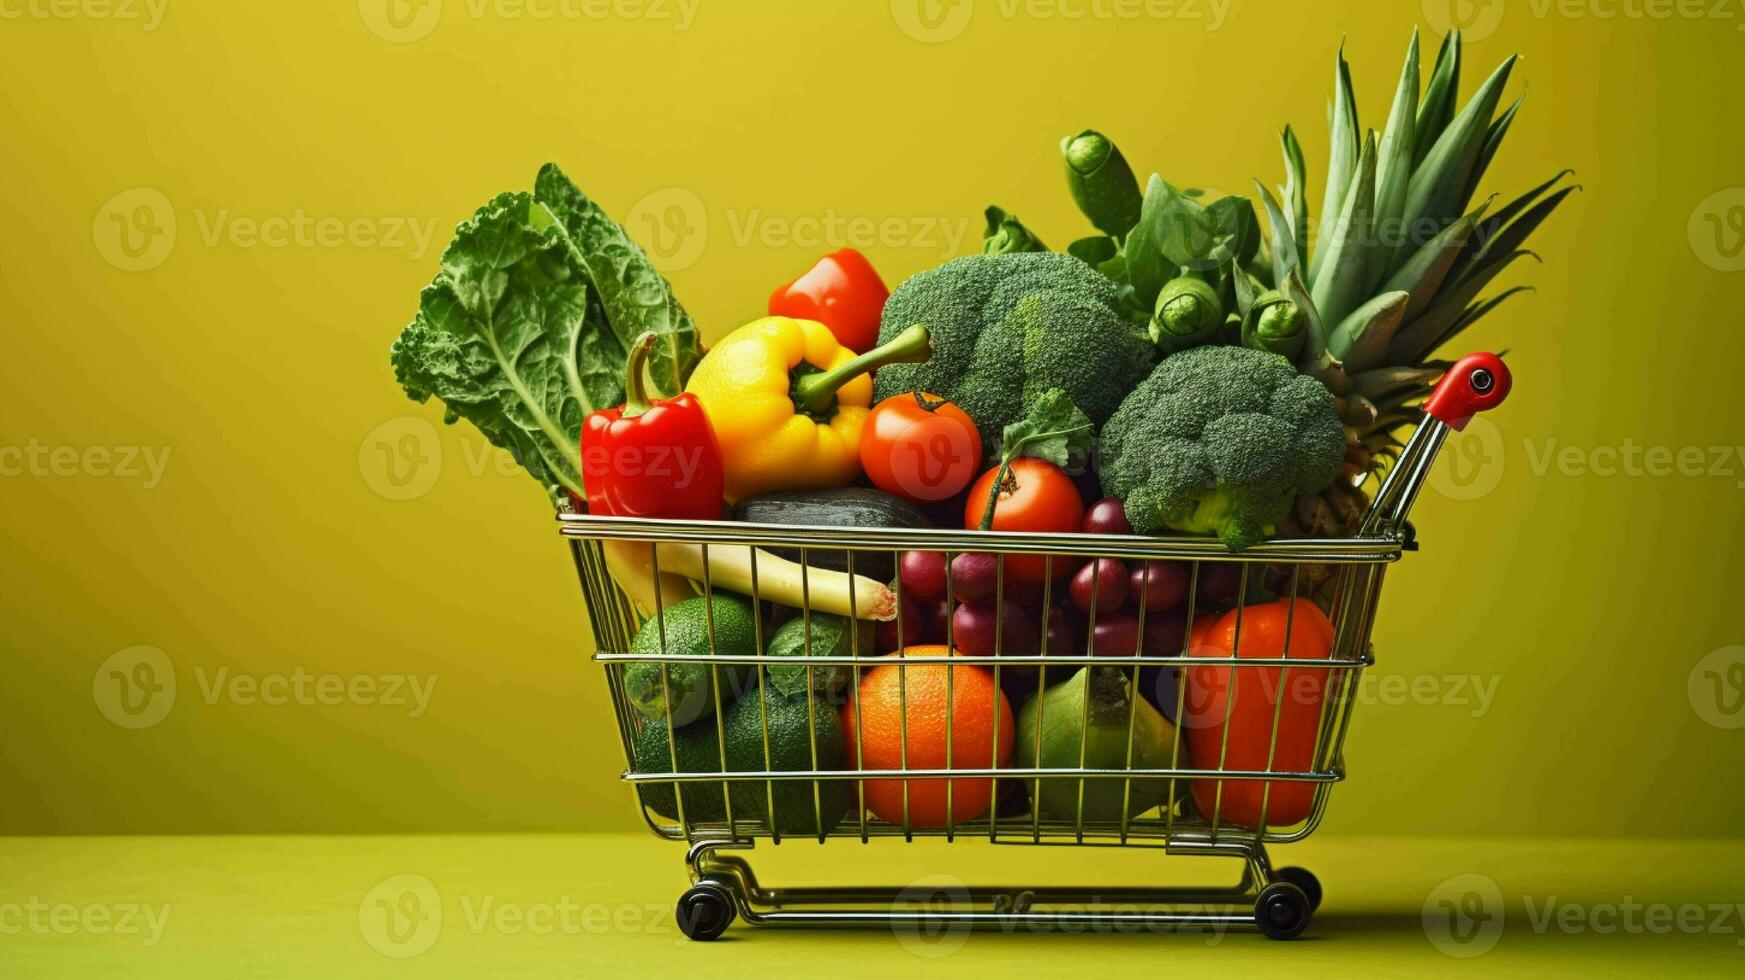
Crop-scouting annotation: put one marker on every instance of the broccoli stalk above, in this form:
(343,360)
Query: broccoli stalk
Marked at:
(1221,440)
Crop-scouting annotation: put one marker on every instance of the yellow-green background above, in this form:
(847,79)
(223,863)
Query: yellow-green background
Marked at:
(1586,600)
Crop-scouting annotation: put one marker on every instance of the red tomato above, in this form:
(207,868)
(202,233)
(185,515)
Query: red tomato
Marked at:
(1039,497)
(919,446)
(842,291)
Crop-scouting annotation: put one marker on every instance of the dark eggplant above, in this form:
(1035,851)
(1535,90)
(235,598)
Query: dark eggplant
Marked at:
(845,507)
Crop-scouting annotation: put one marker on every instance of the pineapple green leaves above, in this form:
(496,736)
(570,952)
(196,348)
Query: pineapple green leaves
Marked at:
(1403,258)
(1437,105)
(1344,148)
(1350,248)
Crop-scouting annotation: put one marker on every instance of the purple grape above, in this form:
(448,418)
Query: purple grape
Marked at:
(1107,578)
(976,625)
(1106,516)
(923,574)
(1117,634)
(934,617)
(1164,584)
(974,576)
(1165,632)
(1065,638)
(1219,584)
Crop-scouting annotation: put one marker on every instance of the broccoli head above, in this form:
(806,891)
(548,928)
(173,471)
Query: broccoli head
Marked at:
(1221,440)
(1006,329)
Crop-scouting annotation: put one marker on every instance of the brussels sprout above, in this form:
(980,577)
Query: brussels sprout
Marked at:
(1188,312)
(1101,182)
(1276,324)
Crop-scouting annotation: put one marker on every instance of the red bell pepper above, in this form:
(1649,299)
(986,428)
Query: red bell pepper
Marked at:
(842,291)
(651,459)
(1257,692)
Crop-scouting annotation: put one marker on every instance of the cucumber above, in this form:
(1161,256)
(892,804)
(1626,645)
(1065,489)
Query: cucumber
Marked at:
(846,507)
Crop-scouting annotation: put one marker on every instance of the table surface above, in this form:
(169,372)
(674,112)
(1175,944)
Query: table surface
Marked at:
(601,905)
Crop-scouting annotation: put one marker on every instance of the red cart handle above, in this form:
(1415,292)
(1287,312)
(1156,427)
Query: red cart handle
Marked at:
(1476,383)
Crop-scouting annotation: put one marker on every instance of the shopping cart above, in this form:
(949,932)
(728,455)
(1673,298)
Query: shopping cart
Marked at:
(1278,900)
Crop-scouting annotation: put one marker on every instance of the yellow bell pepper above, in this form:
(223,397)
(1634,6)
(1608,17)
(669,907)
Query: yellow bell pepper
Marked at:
(788,402)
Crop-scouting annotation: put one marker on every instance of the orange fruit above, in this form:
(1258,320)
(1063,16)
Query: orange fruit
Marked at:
(877,734)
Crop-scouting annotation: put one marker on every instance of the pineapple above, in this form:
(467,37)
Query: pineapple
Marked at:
(1399,261)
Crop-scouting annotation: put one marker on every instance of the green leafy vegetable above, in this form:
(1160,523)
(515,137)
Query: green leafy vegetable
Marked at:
(636,297)
(511,339)
(525,329)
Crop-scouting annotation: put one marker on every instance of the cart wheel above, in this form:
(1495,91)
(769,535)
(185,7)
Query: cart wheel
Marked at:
(1305,879)
(1282,910)
(705,911)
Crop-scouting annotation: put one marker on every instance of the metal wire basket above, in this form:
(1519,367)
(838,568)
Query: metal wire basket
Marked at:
(1348,576)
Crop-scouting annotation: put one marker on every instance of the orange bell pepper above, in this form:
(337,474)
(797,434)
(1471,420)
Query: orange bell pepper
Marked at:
(1256,694)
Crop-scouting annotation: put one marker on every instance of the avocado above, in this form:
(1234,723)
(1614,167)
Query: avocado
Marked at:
(687,630)
(817,635)
(698,749)
(790,749)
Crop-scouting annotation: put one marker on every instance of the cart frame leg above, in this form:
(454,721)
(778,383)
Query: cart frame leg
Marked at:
(1008,908)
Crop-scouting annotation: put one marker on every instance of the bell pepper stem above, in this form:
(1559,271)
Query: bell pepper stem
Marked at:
(815,393)
(635,391)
